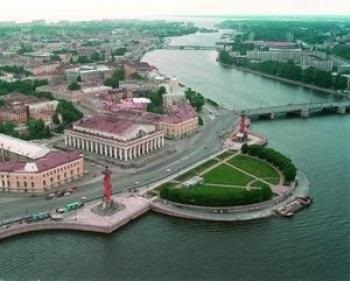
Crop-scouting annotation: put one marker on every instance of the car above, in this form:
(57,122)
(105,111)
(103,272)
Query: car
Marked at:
(60,210)
(168,170)
(67,193)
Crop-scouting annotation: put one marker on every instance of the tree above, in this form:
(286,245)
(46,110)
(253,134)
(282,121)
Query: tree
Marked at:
(200,121)
(225,57)
(68,112)
(195,99)
(340,82)
(244,148)
(74,86)
(111,83)
(55,119)
(37,129)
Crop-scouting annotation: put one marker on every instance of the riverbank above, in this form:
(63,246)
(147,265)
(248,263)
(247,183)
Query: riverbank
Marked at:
(288,81)
(233,214)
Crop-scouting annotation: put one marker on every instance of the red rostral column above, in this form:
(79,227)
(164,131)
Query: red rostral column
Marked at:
(107,186)
(243,125)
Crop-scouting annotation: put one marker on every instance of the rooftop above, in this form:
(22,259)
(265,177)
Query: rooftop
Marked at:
(49,161)
(24,148)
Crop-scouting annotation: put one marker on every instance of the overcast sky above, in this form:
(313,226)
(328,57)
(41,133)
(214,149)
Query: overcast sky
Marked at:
(53,10)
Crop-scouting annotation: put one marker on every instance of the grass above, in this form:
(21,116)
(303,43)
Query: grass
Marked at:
(225,174)
(167,184)
(196,170)
(225,155)
(256,167)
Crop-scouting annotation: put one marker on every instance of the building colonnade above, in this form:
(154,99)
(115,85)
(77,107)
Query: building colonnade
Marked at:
(124,153)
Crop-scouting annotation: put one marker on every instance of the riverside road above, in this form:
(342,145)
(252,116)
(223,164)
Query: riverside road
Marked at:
(206,143)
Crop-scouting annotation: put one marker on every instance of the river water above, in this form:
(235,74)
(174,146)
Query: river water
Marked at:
(314,245)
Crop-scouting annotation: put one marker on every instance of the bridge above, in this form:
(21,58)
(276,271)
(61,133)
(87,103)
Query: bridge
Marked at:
(190,47)
(303,109)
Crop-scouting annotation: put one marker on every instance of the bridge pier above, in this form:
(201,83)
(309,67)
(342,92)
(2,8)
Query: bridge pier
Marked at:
(272,115)
(304,113)
(341,109)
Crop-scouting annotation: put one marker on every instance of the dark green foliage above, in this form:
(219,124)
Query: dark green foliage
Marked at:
(25,49)
(195,99)
(225,57)
(244,148)
(55,119)
(119,52)
(68,112)
(96,56)
(200,120)
(275,158)
(211,102)
(37,130)
(8,128)
(74,86)
(55,57)
(156,105)
(216,196)
(342,51)
(242,48)
(15,69)
(111,83)
(2,102)
(83,59)
(311,75)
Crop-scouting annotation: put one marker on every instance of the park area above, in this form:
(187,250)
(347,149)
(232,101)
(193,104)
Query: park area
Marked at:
(229,179)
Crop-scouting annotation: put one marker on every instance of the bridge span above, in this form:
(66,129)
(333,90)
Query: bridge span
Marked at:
(190,47)
(303,109)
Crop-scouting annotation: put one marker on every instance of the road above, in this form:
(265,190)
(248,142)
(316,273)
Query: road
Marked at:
(204,144)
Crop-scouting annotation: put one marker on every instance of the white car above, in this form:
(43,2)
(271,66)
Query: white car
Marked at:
(168,170)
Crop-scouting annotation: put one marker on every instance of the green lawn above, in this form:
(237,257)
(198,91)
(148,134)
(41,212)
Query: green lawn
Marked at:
(256,167)
(225,155)
(196,170)
(225,174)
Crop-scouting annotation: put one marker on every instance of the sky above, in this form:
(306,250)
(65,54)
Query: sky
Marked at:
(54,10)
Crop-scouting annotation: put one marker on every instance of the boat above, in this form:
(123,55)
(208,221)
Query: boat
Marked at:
(296,205)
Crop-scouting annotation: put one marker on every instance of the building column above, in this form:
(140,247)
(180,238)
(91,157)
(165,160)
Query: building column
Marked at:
(120,153)
(147,146)
(162,140)
(116,153)
(139,150)
(130,153)
(106,150)
(83,143)
(96,147)
(110,151)
(125,154)
(65,140)
(92,145)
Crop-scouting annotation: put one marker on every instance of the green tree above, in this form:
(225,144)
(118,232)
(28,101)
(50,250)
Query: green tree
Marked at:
(74,86)
(55,119)
(37,129)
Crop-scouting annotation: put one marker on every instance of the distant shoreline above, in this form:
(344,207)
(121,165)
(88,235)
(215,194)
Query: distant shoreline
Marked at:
(288,81)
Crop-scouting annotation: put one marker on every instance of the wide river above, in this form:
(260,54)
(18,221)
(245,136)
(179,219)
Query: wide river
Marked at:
(314,245)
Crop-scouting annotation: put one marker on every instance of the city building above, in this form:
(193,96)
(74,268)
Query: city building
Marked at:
(27,167)
(89,73)
(306,59)
(115,137)
(19,108)
(44,69)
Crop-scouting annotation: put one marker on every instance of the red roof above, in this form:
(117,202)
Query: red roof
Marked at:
(56,158)
(49,161)
(106,124)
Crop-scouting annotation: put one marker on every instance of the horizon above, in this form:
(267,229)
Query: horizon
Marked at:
(64,10)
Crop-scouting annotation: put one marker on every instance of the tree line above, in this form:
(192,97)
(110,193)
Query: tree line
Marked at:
(277,159)
(216,196)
